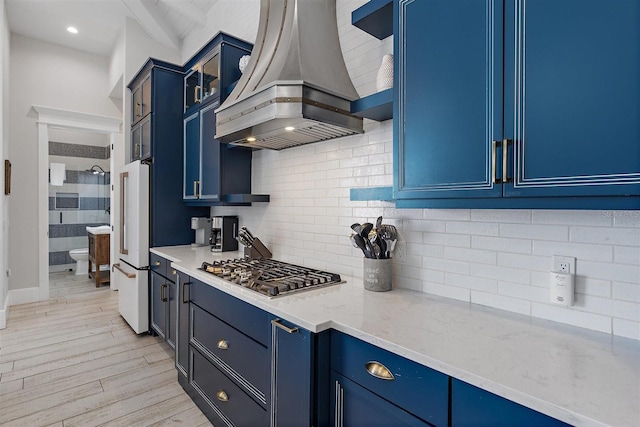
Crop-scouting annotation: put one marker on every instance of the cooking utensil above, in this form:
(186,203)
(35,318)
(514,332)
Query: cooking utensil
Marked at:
(360,241)
(356,227)
(390,234)
(378,223)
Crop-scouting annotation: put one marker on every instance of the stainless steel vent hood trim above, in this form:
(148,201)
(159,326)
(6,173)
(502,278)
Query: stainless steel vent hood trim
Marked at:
(296,79)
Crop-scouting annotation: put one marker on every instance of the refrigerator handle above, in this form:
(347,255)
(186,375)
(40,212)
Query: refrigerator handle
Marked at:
(123,221)
(129,275)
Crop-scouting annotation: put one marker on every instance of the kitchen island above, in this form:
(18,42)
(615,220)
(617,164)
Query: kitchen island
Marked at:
(571,374)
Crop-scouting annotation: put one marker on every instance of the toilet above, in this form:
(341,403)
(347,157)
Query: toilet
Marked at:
(81,257)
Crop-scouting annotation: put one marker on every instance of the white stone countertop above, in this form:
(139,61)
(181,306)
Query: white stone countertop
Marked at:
(581,377)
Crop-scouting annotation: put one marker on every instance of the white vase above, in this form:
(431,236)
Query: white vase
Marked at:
(384,79)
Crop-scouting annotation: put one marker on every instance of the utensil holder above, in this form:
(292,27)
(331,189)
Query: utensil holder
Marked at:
(378,274)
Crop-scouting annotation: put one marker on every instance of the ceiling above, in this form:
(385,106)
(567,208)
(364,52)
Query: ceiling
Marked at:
(99,22)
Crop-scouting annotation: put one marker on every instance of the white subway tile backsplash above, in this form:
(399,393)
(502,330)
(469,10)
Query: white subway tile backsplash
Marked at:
(574,217)
(520,246)
(501,215)
(500,273)
(538,232)
(581,251)
(608,271)
(626,328)
(472,282)
(461,294)
(523,292)
(471,255)
(595,287)
(498,258)
(514,305)
(627,291)
(473,228)
(626,255)
(606,235)
(595,322)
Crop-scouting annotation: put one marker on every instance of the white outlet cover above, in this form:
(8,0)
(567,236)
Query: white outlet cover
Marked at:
(559,259)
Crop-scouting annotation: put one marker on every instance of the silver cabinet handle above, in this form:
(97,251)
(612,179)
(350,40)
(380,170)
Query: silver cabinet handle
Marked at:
(276,322)
(378,370)
(163,293)
(222,396)
(505,160)
(184,289)
(157,263)
(173,272)
(223,345)
(494,161)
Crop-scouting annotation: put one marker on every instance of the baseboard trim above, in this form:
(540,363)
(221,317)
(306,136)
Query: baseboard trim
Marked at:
(3,313)
(23,296)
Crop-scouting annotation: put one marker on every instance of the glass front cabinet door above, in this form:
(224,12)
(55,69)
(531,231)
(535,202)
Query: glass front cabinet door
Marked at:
(202,81)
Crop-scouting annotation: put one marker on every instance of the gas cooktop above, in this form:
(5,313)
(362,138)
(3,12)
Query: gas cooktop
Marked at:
(270,277)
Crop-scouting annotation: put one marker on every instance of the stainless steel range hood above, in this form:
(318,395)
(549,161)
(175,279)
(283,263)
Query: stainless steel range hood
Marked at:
(295,88)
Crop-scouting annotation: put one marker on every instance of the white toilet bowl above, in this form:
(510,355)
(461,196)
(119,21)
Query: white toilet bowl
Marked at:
(81,257)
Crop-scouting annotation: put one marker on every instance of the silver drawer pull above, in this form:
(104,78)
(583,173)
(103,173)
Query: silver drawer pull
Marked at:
(157,263)
(276,322)
(173,272)
(222,396)
(223,345)
(378,370)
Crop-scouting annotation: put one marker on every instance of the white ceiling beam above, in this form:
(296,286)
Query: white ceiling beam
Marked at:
(150,19)
(188,10)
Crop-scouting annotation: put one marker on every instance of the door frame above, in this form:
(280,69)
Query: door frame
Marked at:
(49,117)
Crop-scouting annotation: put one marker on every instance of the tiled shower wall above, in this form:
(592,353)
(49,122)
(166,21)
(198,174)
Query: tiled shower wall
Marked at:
(67,220)
(497,258)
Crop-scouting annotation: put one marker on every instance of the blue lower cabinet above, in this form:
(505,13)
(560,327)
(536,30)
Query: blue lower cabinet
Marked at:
(415,388)
(355,406)
(292,388)
(474,407)
(163,312)
(226,403)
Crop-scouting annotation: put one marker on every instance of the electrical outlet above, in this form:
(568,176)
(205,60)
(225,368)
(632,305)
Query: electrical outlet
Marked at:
(564,264)
(401,251)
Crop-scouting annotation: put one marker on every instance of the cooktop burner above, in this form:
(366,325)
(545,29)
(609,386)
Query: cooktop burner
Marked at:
(270,277)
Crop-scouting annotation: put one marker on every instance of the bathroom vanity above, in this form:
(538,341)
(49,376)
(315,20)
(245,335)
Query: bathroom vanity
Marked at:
(99,255)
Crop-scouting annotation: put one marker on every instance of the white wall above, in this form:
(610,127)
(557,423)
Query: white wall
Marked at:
(4,150)
(498,258)
(53,76)
(236,17)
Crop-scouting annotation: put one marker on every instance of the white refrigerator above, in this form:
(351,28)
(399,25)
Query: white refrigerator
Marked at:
(132,272)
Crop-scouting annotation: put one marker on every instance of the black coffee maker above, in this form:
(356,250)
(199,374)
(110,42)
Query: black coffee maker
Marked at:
(224,230)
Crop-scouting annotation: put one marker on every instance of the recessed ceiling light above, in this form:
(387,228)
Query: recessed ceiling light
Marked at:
(72,30)
(251,139)
(289,128)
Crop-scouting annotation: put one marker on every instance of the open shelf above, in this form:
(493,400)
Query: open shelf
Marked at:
(378,106)
(375,17)
(371,193)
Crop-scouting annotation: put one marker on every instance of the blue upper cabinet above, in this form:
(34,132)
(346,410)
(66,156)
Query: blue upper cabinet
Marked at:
(572,97)
(448,102)
(547,115)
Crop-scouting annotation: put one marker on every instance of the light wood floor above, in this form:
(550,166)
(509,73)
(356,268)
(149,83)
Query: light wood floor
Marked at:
(73,361)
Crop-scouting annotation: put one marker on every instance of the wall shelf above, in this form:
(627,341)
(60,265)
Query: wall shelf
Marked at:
(371,193)
(375,17)
(378,106)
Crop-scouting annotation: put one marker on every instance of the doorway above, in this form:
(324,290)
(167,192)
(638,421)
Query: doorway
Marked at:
(51,121)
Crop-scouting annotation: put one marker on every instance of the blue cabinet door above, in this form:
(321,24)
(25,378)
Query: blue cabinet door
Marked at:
(158,304)
(191,156)
(474,407)
(448,101)
(355,406)
(182,328)
(292,375)
(210,167)
(572,97)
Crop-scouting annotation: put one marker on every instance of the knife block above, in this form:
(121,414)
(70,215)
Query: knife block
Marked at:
(257,250)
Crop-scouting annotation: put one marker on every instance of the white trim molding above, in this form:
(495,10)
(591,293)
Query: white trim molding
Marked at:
(65,119)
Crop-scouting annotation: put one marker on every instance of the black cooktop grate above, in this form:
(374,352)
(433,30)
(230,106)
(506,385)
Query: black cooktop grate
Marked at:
(270,277)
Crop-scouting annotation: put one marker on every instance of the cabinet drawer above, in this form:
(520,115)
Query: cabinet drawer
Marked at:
(159,264)
(230,402)
(236,354)
(415,388)
(244,317)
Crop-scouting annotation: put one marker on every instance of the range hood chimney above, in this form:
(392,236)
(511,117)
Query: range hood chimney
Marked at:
(295,88)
